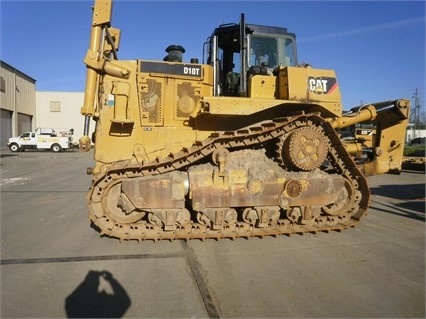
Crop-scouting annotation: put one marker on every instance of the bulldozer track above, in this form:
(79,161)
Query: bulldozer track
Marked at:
(247,138)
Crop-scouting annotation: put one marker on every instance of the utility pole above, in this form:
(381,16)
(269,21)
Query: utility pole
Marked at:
(416,112)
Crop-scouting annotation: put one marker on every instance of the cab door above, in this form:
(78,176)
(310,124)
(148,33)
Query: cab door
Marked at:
(28,139)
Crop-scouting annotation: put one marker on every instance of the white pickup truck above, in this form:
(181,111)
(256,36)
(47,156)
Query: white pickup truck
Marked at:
(42,139)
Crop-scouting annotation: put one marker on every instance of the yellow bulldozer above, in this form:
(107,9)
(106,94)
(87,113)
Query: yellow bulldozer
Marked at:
(244,144)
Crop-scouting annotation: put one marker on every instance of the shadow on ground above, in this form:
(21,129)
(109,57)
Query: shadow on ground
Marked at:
(401,192)
(100,295)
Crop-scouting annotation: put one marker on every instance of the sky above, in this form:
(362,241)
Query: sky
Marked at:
(377,48)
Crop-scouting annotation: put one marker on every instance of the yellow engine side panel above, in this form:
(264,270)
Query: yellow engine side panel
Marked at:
(307,84)
(146,116)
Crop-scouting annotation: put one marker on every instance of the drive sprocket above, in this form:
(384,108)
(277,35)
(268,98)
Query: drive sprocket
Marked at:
(305,148)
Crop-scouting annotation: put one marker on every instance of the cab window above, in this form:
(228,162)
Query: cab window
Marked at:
(271,51)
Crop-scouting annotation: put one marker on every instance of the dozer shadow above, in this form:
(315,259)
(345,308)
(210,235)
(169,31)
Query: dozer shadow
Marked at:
(100,295)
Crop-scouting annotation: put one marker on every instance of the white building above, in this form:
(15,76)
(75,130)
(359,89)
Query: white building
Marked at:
(413,133)
(61,110)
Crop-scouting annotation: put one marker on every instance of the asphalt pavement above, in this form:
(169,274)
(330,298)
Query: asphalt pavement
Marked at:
(54,265)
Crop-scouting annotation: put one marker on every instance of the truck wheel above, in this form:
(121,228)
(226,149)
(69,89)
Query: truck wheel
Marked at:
(56,148)
(14,147)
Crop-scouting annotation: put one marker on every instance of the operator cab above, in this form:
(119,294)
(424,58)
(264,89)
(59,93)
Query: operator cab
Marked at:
(240,51)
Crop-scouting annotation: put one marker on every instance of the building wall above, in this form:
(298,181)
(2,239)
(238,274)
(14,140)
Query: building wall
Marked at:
(18,104)
(413,133)
(61,110)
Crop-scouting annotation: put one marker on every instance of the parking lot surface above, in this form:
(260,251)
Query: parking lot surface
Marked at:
(53,264)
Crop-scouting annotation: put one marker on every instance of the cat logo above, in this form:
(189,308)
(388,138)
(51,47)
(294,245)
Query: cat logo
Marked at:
(322,85)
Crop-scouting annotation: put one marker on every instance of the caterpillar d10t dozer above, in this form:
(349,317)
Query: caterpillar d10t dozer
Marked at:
(244,144)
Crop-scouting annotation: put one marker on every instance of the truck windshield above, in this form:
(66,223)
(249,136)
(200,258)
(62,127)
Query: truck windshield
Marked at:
(272,51)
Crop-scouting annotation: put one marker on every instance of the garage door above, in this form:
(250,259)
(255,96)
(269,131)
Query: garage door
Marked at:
(24,123)
(5,126)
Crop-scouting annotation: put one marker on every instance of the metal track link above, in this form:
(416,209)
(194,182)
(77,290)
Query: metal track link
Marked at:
(141,230)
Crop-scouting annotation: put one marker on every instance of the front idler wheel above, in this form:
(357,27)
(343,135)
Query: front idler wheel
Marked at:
(118,207)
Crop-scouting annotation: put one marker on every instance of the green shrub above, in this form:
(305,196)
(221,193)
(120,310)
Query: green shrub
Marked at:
(414,150)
